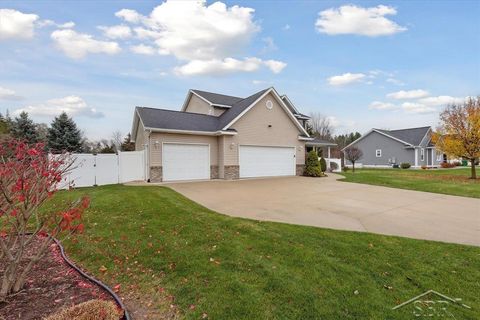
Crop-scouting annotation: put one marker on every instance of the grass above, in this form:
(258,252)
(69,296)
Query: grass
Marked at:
(445,181)
(162,246)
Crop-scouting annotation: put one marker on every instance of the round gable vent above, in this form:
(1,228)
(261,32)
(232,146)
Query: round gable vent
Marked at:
(269,104)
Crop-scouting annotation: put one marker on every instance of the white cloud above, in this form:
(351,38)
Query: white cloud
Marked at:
(143,49)
(345,78)
(441,100)
(414,107)
(116,32)
(206,37)
(395,81)
(8,94)
(410,94)
(275,66)
(78,45)
(218,67)
(269,45)
(49,23)
(16,25)
(379,105)
(286,27)
(128,15)
(72,105)
(351,19)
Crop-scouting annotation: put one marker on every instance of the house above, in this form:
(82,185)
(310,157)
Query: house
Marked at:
(385,148)
(216,136)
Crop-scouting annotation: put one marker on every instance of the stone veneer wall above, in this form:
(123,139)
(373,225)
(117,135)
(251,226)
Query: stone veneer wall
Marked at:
(156,174)
(300,169)
(232,172)
(213,172)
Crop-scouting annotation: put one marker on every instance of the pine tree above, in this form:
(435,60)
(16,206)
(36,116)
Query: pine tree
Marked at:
(127,145)
(63,135)
(23,128)
(4,129)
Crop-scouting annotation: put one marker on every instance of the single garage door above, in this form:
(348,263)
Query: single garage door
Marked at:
(260,161)
(185,161)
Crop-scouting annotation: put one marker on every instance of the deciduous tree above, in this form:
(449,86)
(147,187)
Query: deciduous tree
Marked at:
(353,154)
(28,177)
(459,131)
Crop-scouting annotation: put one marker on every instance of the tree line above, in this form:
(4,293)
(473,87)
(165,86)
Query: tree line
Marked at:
(62,135)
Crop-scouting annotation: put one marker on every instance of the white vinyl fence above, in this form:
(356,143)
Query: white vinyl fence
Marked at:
(90,170)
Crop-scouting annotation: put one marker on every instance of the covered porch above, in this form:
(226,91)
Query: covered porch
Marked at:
(323,149)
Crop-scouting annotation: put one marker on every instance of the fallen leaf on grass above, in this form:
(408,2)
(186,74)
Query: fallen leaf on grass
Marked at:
(102,269)
(116,288)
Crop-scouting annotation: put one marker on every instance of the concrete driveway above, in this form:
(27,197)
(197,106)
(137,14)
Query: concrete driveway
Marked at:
(329,203)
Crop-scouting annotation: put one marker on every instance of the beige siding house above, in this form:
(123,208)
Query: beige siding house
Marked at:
(217,136)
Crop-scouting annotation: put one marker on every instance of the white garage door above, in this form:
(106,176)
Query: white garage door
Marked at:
(185,161)
(256,161)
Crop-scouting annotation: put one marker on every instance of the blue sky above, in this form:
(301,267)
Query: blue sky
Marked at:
(364,64)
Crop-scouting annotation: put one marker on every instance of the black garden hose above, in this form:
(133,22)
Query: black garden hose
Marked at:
(119,302)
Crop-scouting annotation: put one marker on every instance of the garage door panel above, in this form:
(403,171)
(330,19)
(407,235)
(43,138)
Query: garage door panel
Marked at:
(185,162)
(265,161)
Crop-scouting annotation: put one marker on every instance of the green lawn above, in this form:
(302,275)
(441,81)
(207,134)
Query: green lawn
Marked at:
(446,181)
(156,244)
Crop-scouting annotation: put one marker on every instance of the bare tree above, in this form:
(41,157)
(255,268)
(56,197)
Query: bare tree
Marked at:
(117,139)
(321,126)
(353,154)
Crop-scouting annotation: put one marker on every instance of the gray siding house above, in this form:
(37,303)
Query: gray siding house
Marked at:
(385,148)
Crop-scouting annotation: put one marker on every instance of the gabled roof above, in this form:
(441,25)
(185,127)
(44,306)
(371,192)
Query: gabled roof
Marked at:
(413,136)
(177,120)
(217,99)
(195,122)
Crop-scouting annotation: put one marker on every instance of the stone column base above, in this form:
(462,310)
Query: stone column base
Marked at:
(156,174)
(231,172)
(213,172)
(300,169)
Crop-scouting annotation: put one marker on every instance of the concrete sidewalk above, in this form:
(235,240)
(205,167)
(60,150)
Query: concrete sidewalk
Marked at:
(328,203)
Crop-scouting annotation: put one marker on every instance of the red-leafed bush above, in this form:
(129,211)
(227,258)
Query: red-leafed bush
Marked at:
(447,165)
(28,177)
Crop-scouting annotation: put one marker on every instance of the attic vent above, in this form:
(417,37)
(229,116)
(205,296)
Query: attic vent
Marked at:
(269,104)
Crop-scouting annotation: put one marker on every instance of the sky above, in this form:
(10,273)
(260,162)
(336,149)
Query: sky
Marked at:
(363,64)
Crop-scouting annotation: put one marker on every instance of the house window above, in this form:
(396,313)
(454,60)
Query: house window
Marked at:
(422,154)
(439,156)
(378,153)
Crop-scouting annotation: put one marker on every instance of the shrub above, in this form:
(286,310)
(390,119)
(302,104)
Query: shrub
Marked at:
(28,177)
(457,163)
(424,167)
(405,165)
(447,165)
(312,168)
(90,310)
(395,166)
(323,164)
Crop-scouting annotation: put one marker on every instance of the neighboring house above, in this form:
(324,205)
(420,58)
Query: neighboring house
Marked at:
(217,136)
(384,148)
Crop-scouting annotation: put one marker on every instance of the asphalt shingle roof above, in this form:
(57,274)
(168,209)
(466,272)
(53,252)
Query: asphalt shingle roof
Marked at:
(216,98)
(318,141)
(412,135)
(179,120)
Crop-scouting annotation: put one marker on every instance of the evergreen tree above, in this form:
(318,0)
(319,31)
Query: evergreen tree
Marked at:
(23,128)
(312,168)
(4,128)
(127,145)
(63,135)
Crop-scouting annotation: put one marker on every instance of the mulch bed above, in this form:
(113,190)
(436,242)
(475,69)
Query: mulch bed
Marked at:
(52,285)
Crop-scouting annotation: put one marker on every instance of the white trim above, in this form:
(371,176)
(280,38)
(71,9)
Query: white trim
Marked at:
(306,138)
(203,133)
(289,101)
(377,155)
(279,99)
(416,157)
(211,104)
(428,131)
(189,143)
(135,128)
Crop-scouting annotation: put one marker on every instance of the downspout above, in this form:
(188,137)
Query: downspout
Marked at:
(147,156)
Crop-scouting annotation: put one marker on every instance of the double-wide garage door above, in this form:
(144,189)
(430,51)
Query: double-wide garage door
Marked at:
(185,161)
(264,161)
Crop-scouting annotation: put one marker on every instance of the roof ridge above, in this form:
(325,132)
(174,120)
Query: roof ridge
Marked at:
(179,111)
(252,95)
(220,94)
(390,130)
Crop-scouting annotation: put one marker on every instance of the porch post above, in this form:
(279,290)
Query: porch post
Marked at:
(416,157)
(328,152)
